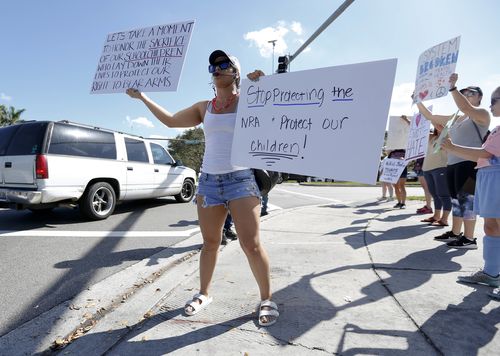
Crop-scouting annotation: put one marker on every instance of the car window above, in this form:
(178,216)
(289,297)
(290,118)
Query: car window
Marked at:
(27,140)
(160,156)
(6,134)
(136,150)
(81,141)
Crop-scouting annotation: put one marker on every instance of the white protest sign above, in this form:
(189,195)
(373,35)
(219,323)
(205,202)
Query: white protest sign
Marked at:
(444,133)
(326,122)
(149,59)
(397,133)
(418,137)
(392,170)
(434,69)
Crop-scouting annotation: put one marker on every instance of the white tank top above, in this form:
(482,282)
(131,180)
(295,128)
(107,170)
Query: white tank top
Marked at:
(219,131)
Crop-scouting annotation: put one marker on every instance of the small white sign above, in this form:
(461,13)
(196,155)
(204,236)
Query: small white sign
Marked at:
(397,133)
(393,167)
(149,59)
(326,122)
(434,69)
(418,137)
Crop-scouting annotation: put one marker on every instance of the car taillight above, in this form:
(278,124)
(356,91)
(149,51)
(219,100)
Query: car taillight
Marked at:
(42,168)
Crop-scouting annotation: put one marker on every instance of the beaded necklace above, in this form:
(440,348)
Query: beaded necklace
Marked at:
(223,107)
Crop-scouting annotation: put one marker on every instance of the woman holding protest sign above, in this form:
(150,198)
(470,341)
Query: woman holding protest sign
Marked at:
(469,130)
(486,199)
(434,169)
(222,186)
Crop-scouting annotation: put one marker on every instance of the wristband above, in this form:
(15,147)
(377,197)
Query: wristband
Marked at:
(452,89)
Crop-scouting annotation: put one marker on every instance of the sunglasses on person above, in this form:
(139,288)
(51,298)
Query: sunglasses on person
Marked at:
(222,66)
(468,93)
(494,100)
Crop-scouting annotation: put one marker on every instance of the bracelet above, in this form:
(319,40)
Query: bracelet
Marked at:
(452,89)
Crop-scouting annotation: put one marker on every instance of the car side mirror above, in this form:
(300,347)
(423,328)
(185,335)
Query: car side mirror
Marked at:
(178,163)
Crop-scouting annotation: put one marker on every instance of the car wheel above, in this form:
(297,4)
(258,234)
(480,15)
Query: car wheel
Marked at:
(98,202)
(187,192)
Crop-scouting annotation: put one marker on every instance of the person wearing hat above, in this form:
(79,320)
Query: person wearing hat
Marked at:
(486,200)
(468,130)
(222,186)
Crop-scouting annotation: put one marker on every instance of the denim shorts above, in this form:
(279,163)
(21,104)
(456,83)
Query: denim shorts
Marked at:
(463,206)
(220,189)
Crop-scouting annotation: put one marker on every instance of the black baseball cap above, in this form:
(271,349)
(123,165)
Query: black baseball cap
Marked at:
(474,89)
(220,53)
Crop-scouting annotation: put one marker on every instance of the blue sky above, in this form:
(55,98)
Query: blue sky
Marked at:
(50,48)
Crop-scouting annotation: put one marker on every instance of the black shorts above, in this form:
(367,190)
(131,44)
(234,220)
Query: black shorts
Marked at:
(461,178)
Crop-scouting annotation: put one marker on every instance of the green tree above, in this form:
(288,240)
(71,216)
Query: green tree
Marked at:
(9,116)
(189,147)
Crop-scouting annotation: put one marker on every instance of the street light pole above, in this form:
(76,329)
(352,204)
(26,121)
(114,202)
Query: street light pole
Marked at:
(274,44)
(325,24)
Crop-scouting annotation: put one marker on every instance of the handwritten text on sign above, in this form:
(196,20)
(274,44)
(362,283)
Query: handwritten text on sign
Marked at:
(148,59)
(326,122)
(392,170)
(434,69)
(418,137)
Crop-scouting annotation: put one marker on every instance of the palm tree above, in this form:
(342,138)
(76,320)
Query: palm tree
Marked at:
(9,116)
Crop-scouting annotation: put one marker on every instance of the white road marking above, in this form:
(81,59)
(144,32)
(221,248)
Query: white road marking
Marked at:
(309,195)
(49,233)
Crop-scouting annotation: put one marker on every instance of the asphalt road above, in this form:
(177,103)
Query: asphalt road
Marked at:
(45,260)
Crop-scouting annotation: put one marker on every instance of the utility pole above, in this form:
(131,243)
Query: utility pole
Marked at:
(325,24)
(274,44)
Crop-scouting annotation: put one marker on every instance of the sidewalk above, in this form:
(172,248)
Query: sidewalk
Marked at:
(348,280)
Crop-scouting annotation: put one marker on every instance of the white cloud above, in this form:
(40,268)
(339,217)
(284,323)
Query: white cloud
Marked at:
(282,29)
(401,99)
(140,121)
(5,97)
(296,27)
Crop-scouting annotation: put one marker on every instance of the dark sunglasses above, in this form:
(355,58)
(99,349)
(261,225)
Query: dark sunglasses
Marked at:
(221,65)
(494,101)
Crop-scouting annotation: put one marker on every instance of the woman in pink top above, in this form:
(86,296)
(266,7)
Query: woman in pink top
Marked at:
(486,199)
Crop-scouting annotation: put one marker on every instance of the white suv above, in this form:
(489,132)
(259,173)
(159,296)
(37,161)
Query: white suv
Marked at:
(44,164)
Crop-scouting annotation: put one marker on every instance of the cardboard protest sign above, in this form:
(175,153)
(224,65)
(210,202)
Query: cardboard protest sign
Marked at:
(149,59)
(392,170)
(397,133)
(434,69)
(418,137)
(323,122)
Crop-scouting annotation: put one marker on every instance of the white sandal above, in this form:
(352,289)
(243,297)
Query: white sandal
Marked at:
(196,306)
(273,312)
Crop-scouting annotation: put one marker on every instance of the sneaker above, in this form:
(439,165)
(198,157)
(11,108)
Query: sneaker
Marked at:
(224,240)
(424,210)
(230,234)
(481,278)
(263,213)
(463,242)
(495,293)
(381,198)
(402,206)
(390,199)
(448,236)
(397,205)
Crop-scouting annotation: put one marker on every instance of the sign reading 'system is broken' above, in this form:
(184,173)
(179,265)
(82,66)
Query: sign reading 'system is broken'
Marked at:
(327,122)
(148,59)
